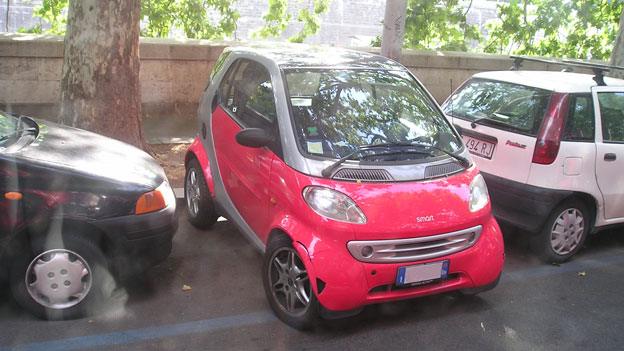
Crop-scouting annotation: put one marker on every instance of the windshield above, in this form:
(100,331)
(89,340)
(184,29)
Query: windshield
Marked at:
(8,126)
(505,105)
(337,111)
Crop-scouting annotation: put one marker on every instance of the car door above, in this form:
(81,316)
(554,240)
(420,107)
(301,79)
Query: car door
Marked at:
(246,100)
(609,110)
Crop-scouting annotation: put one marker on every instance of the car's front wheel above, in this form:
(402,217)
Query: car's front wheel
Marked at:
(563,233)
(201,209)
(287,285)
(67,280)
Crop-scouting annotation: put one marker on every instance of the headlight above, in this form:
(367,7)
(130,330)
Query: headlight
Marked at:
(478,194)
(155,200)
(333,204)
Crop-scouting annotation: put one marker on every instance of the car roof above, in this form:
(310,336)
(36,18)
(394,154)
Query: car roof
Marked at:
(563,82)
(312,56)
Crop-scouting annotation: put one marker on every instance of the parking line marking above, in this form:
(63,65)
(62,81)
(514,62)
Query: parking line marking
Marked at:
(145,334)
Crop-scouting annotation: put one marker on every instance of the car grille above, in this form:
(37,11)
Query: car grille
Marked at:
(414,249)
(365,175)
(442,170)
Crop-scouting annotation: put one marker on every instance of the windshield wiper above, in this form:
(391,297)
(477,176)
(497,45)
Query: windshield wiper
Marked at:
(330,169)
(464,162)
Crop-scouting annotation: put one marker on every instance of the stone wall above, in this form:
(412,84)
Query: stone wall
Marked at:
(174,73)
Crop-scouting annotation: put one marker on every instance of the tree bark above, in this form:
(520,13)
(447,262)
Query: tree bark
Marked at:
(394,28)
(100,85)
(617,56)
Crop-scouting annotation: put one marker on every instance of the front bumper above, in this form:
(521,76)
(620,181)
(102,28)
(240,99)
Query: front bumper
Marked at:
(139,241)
(522,205)
(349,284)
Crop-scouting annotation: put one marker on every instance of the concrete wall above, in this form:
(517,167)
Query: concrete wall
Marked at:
(174,73)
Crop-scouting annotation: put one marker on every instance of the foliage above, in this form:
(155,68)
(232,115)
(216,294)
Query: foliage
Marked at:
(310,20)
(438,25)
(194,17)
(278,17)
(583,29)
(53,12)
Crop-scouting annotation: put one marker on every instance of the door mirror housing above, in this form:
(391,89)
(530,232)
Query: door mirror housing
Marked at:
(254,137)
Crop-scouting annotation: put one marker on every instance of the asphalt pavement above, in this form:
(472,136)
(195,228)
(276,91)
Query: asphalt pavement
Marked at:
(208,296)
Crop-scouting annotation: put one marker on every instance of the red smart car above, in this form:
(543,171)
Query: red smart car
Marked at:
(340,167)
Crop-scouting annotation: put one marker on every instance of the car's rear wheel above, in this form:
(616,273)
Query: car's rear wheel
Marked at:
(201,210)
(62,281)
(563,233)
(287,285)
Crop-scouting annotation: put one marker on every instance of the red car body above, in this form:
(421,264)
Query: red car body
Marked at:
(263,192)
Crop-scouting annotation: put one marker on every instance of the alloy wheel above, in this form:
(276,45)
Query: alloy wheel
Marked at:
(289,282)
(193,192)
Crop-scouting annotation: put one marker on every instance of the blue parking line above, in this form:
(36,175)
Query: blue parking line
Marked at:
(146,334)
(215,324)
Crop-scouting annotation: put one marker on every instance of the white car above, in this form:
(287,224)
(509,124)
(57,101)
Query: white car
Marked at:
(551,148)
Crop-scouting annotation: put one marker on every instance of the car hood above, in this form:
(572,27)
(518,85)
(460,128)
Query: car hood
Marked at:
(79,152)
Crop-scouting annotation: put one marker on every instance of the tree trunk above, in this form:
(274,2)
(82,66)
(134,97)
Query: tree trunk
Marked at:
(617,56)
(394,28)
(100,85)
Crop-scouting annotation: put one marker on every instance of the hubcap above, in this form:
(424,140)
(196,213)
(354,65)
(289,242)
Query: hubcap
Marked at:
(192,192)
(567,231)
(58,279)
(290,285)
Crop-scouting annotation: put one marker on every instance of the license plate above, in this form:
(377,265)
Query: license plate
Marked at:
(479,147)
(422,273)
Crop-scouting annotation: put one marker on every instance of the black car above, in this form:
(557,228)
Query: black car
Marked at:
(78,212)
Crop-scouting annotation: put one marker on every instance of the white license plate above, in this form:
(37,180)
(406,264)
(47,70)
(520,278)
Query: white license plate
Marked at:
(421,273)
(479,147)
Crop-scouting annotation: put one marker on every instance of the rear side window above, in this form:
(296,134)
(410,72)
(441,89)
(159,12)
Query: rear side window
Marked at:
(501,105)
(612,114)
(580,123)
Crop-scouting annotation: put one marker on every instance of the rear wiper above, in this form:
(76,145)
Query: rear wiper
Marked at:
(330,169)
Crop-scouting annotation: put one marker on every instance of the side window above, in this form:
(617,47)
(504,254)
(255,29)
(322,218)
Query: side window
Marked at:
(612,115)
(219,64)
(252,100)
(580,122)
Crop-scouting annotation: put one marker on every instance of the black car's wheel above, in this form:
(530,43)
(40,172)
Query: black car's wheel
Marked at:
(287,285)
(62,281)
(201,210)
(563,233)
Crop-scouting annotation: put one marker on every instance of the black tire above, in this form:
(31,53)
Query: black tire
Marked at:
(542,244)
(307,317)
(95,299)
(205,215)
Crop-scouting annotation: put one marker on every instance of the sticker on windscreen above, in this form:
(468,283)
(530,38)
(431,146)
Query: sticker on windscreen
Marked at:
(301,102)
(315,147)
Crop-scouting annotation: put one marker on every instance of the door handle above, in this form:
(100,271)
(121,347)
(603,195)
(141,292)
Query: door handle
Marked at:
(609,156)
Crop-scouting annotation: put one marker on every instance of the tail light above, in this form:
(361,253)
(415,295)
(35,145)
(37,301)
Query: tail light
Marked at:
(549,136)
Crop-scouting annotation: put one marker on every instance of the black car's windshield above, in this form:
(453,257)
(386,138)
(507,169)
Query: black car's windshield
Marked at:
(8,126)
(337,111)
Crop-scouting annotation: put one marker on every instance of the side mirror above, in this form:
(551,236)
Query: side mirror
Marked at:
(254,137)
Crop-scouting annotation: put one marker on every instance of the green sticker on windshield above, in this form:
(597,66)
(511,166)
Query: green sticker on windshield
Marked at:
(312,131)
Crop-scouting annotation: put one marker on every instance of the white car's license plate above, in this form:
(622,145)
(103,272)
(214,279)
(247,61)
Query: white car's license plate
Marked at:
(422,273)
(479,147)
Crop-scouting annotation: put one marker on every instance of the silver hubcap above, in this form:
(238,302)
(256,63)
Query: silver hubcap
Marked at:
(567,231)
(289,281)
(192,192)
(58,279)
